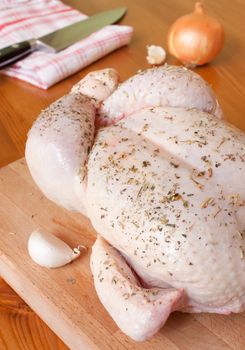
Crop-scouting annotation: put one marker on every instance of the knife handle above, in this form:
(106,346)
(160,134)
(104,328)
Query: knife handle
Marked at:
(13,53)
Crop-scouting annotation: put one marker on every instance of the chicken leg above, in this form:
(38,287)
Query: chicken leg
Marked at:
(138,311)
(60,140)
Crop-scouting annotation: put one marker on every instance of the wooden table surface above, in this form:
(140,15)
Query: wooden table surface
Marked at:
(20,103)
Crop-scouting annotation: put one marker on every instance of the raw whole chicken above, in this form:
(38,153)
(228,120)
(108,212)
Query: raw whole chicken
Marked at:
(161,177)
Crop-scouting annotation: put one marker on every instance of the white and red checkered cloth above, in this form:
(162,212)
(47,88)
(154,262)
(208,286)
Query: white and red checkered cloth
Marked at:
(25,19)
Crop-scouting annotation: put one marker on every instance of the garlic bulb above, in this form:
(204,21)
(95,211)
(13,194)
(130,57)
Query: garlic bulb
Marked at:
(155,54)
(49,251)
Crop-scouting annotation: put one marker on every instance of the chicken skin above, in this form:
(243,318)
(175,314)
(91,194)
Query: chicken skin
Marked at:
(160,175)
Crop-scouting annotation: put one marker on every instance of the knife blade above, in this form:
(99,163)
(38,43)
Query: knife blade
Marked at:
(61,38)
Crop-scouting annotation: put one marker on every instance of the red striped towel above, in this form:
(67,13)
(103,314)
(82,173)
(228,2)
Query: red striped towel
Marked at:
(25,19)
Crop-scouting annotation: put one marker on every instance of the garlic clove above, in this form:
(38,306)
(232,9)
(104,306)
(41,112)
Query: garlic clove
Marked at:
(155,54)
(49,251)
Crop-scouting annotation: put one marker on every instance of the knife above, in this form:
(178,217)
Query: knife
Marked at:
(61,38)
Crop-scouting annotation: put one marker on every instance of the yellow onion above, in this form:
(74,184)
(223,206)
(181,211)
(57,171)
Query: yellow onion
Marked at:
(196,38)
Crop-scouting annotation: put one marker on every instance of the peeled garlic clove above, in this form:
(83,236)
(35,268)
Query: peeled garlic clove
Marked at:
(155,54)
(49,251)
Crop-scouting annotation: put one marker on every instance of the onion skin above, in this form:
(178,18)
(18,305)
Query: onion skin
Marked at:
(196,38)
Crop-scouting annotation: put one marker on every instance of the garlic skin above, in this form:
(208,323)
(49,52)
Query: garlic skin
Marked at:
(49,251)
(155,54)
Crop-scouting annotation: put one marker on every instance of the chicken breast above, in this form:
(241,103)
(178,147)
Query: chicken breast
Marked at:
(162,184)
(175,214)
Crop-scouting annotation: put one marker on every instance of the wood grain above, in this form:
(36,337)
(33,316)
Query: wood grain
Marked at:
(20,103)
(21,328)
(65,298)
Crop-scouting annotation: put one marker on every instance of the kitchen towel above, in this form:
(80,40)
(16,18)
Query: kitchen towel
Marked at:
(25,19)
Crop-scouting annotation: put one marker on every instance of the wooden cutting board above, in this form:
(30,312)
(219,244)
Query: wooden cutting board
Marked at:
(65,298)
